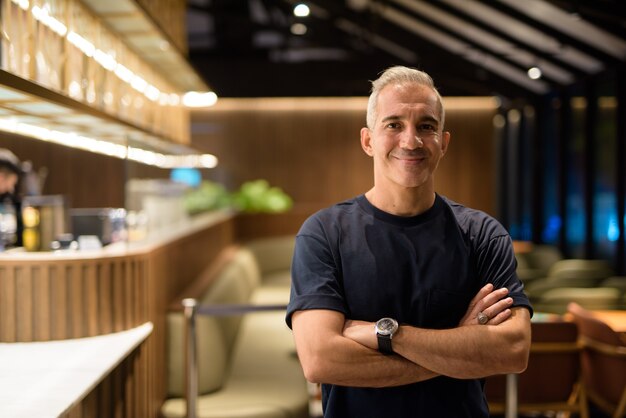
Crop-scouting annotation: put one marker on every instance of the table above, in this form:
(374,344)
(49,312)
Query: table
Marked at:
(46,379)
(614,318)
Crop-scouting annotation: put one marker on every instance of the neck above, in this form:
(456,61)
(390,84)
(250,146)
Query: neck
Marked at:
(403,202)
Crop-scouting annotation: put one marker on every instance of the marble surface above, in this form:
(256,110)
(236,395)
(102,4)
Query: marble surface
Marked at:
(45,379)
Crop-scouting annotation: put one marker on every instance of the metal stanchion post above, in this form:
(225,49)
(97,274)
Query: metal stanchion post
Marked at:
(511,396)
(191,360)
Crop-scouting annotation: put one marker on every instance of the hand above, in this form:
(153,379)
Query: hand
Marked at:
(492,303)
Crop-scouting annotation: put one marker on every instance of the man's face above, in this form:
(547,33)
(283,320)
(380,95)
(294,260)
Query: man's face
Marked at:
(407,140)
(7,181)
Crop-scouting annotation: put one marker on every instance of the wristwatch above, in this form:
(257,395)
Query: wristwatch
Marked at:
(385,329)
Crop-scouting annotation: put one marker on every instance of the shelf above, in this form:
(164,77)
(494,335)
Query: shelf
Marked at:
(107,78)
(25,102)
(148,41)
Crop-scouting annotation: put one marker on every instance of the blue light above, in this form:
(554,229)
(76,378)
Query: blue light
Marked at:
(189,176)
(551,231)
(612,233)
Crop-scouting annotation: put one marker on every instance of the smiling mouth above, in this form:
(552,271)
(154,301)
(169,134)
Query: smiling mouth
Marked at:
(410,158)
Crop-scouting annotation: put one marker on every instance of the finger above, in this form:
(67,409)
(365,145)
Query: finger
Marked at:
(498,307)
(491,299)
(500,318)
(483,292)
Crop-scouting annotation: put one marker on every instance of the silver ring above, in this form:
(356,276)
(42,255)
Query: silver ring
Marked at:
(482,318)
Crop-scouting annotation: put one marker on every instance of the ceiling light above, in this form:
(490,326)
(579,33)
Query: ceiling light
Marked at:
(298,29)
(198,99)
(81,43)
(24,4)
(139,155)
(534,73)
(301,10)
(164,45)
(104,59)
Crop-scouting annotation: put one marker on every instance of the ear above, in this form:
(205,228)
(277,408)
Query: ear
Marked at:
(366,141)
(445,140)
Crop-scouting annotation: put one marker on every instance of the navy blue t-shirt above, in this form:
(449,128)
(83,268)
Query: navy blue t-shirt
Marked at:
(421,270)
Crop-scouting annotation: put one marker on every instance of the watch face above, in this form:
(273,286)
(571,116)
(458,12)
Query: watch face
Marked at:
(386,326)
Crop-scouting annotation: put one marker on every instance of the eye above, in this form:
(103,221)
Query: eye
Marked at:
(427,127)
(393,125)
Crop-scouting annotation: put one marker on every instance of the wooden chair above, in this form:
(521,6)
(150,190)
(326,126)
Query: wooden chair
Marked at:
(553,379)
(604,361)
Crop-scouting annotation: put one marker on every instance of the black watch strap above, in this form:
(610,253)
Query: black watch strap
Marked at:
(384,344)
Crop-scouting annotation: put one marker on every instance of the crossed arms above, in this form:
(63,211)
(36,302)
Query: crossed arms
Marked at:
(345,352)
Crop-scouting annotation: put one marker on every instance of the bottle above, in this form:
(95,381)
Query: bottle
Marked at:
(8,224)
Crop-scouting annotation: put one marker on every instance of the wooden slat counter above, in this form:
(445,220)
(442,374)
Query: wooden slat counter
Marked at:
(57,296)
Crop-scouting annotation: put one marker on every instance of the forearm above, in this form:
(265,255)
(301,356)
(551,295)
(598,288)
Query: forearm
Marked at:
(470,351)
(327,356)
(344,362)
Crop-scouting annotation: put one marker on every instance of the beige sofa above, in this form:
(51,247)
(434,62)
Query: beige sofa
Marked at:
(247,366)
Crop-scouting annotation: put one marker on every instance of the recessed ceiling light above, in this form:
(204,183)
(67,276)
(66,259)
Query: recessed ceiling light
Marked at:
(301,10)
(298,29)
(534,73)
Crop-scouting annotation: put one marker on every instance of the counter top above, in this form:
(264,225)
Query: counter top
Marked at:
(45,379)
(154,239)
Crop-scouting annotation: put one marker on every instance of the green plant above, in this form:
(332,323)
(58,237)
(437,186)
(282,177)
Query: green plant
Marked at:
(258,196)
(208,196)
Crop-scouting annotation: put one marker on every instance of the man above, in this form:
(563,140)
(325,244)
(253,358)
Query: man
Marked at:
(402,299)
(9,171)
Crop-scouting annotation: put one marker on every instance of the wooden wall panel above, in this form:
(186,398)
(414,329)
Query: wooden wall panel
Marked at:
(315,157)
(261,225)
(467,172)
(313,151)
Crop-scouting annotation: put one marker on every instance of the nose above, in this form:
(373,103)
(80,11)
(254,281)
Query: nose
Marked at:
(411,140)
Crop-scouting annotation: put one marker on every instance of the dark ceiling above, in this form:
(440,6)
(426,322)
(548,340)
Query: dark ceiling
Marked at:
(246,48)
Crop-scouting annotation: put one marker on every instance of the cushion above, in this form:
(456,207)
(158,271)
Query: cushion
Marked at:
(231,287)
(212,354)
(274,253)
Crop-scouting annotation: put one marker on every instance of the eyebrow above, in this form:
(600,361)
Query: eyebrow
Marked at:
(427,118)
(390,118)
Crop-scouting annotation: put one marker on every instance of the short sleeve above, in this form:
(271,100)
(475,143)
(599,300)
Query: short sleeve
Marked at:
(315,272)
(496,264)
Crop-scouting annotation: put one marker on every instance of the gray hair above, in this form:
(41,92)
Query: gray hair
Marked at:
(399,75)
